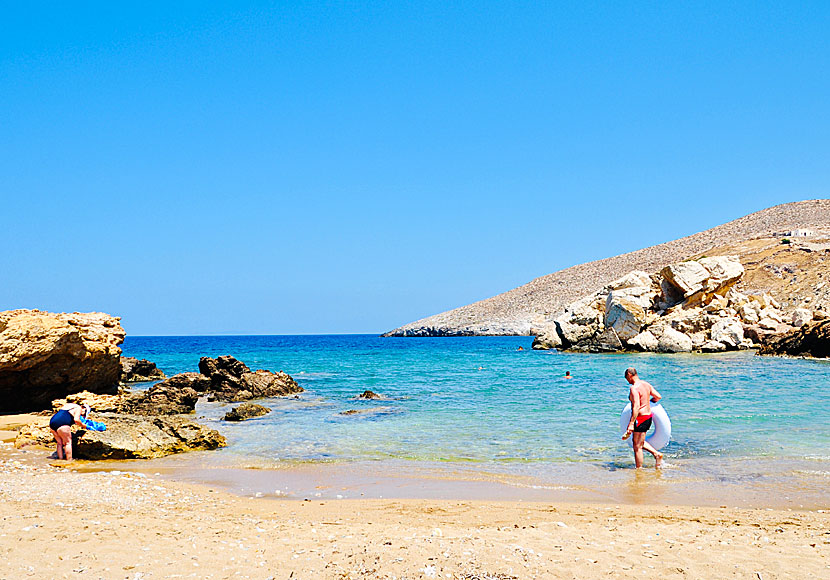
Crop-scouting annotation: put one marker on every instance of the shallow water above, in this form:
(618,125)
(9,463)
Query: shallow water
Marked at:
(479,405)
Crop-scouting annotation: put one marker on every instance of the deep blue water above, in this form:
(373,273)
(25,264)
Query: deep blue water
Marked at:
(480,400)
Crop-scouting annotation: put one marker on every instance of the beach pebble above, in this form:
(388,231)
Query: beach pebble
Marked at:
(438,533)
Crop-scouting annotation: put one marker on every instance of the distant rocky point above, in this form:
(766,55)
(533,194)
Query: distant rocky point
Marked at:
(788,271)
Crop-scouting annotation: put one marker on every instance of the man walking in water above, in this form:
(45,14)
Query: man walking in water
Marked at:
(641,395)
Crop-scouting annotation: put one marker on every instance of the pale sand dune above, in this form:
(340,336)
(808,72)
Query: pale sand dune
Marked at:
(102,525)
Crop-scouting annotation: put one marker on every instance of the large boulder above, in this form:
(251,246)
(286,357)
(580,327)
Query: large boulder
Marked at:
(606,341)
(812,339)
(693,280)
(645,341)
(46,356)
(96,402)
(685,278)
(729,332)
(164,398)
(750,312)
(134,370)
(231,380)
(801,316)
(674,341)
(129,437)
(624,315)
(547,338)
(724,271)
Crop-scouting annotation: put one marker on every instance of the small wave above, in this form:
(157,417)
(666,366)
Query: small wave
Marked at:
(812,472)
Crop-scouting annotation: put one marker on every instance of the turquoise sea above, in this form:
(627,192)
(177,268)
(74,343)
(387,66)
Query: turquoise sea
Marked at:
(477,409)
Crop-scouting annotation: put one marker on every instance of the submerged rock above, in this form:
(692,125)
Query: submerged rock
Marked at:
(134,370)
(246,411)
(370,412)
(46,356)
(129,437)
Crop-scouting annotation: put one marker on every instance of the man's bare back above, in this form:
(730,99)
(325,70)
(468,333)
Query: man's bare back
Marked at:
(641,394)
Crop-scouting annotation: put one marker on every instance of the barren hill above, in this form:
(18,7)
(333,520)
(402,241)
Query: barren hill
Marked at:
(516,311)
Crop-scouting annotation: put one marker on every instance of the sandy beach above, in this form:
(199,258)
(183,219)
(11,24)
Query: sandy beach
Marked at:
(59,523)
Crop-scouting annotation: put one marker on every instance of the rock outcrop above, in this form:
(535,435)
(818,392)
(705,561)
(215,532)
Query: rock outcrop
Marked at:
(134,370)
(96,402)
(232,380)
(128,437)
(812,339)
(246,411)
(168,397)
(45,356)
(689,306)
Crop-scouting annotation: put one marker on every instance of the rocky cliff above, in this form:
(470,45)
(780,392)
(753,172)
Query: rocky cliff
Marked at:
(517,311)
(45,356)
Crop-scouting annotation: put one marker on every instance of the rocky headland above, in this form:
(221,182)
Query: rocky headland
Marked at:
(688,306)
(789,273)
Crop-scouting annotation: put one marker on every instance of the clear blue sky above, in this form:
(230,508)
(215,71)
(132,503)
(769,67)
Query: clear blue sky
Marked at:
(349,167)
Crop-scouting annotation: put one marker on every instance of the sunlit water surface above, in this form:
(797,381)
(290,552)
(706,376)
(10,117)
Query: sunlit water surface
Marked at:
(461,407)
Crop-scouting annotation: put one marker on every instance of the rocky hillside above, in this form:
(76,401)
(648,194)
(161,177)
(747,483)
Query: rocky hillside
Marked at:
(757,235)
(693,305)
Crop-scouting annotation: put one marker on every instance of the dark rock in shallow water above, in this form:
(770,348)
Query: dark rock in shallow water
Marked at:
(246,411)
(371,412)
(196,381)
(129,437)
(134,370)
(46,356)
(231,380)
(369,395)
(170,397)
(812,339)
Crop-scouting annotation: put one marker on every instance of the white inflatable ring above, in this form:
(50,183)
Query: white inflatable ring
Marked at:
(659,438)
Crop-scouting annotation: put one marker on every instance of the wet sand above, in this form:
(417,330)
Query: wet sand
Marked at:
(59,523)
(711,482)
(10,423)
